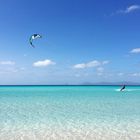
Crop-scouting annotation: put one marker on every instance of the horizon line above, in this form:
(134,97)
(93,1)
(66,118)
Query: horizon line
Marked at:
(75,85)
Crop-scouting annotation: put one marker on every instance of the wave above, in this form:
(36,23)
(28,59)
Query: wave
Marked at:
(128,90)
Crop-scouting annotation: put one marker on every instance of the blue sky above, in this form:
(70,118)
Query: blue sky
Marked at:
(83,41)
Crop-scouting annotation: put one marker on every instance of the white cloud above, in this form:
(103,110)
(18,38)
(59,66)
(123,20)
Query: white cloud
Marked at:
(81,75)
(80,66)
(25,55)
(135,74)
(8,70)
(22,68)
(100,74)
(90,64)
(7,63)
(132,8)
(136,50)
(120,74)
(100,69)
(105,62)
(93,63)
(43,63)
(128,10)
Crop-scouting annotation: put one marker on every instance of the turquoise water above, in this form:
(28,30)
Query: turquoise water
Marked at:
(69,112)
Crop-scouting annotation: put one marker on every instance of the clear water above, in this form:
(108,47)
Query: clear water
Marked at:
(69,113)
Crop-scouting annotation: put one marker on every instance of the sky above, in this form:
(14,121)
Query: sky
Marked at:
(83,41)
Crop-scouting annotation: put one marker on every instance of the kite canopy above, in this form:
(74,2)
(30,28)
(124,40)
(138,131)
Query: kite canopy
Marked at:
(33,37)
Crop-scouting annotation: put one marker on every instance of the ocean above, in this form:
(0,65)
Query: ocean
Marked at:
(69,113)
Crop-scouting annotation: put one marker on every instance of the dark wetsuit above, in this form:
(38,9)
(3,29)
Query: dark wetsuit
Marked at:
(122,88)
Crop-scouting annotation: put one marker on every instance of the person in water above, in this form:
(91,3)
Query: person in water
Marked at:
(122,88)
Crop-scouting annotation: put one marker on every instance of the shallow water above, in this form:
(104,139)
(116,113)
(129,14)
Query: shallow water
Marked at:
(69,113)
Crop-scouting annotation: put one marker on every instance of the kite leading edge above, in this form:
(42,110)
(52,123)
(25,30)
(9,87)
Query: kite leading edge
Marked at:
(33,37)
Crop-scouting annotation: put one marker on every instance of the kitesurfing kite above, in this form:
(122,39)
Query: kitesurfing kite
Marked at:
(33,37)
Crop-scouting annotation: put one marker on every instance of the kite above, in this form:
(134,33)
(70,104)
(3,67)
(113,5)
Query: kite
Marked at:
(33,37)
